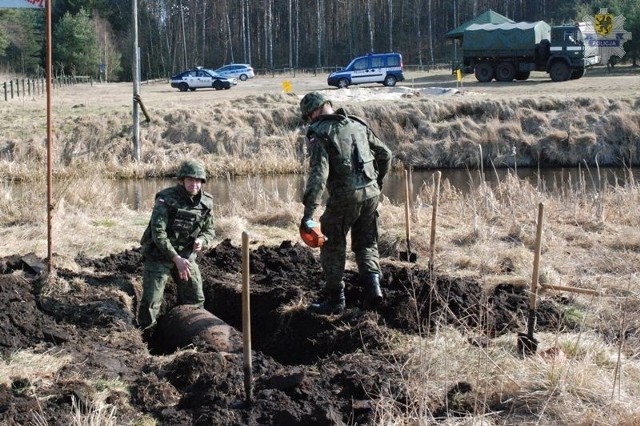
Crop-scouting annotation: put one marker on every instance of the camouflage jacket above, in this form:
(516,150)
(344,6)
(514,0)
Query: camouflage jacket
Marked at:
(346,157)
(176,221)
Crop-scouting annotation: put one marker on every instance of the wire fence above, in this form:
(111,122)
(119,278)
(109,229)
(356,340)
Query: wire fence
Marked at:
(21,88)
(34,87)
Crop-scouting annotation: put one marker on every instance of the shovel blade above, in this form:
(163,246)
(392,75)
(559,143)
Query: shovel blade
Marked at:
(527,344)
(407,256)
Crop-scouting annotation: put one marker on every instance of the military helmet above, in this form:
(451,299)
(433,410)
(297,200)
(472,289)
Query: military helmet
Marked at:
(310,102)
(193,169)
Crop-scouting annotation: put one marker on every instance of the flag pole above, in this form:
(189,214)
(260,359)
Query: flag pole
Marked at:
(48,71)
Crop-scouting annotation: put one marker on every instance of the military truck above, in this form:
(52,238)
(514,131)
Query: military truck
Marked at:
(512,50)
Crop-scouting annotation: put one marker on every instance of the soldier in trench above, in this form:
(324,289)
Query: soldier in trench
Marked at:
(181,225)
(349,160)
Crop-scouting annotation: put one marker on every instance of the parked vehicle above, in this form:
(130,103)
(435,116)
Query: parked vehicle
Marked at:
(239,71)
(200,78)
(512,50)
(385,68)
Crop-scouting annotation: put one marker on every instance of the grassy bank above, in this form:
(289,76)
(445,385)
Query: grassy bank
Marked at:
(262,134)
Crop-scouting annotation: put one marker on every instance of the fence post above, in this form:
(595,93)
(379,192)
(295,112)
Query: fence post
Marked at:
(17,88)
(29,87)
(5,91)
(11,84)
(24,94)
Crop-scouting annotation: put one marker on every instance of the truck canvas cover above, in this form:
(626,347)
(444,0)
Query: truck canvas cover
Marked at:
(500,37)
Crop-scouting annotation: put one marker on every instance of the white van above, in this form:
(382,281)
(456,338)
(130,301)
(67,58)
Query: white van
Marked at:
(385,68)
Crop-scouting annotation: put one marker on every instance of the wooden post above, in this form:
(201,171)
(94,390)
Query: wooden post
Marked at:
(246,318)
(434,214)
(5,90)
(11,84)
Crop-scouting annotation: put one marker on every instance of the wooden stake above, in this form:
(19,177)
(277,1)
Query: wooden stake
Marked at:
(246,318)
(434,214)
(571,289)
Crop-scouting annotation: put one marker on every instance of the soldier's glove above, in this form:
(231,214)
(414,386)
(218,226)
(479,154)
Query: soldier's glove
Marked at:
(307,224)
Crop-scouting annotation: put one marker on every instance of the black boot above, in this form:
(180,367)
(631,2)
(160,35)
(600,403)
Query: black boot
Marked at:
(373,295)
(334,303)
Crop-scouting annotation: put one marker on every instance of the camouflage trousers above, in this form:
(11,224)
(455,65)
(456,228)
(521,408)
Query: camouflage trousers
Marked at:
(361,219)
(156,274)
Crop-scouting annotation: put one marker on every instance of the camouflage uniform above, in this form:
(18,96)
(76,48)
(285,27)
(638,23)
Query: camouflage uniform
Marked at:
(349,159)
(176,222)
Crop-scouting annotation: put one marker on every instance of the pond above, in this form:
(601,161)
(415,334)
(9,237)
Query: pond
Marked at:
(139,194)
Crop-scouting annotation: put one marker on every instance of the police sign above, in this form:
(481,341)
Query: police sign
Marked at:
(604,36)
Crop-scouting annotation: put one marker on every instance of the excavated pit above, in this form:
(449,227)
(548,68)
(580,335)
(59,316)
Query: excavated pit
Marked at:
(307,369)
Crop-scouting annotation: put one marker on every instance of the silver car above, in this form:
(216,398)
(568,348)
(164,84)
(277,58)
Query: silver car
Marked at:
(239,71)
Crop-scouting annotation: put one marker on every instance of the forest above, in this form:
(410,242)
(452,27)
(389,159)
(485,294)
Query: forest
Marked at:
(95,37)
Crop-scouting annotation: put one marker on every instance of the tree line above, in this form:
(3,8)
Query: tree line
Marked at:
(93,37)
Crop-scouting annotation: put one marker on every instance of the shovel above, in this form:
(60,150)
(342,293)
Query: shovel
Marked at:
(527,344)
(407,255)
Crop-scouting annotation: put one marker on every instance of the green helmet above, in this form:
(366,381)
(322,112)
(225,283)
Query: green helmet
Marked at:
(310,102)
(193,169)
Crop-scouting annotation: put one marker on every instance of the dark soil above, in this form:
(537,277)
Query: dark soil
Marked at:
(306,369)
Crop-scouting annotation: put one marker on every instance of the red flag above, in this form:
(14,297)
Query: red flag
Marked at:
(34,4)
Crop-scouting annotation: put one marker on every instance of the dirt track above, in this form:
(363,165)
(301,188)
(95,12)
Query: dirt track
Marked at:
(623,82)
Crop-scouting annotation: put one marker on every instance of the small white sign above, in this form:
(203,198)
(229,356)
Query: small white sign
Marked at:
(34,4)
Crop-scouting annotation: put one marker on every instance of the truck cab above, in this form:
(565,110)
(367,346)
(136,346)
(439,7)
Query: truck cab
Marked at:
(566,58)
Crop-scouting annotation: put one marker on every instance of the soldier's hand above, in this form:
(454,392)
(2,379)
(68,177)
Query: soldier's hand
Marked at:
(307,224)
(183,265)
(197,245)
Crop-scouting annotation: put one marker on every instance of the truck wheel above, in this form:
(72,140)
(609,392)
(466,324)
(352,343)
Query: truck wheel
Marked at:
(522,75)
(559,71)
(389,81)
(505,71)
(484,72)
(576,74)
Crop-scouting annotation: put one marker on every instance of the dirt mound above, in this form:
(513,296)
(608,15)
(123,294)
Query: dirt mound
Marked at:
(307,369)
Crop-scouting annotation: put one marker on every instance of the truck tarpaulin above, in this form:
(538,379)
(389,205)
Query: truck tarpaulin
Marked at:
(521,35)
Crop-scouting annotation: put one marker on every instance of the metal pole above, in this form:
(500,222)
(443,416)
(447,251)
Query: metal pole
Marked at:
(50,268)
(246,318)
(136,83)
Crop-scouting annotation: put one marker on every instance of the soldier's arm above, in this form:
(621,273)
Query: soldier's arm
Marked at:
(207,233)
(318,174)
(381,153)
(159,224)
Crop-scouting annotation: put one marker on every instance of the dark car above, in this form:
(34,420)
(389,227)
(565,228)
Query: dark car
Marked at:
(200,78)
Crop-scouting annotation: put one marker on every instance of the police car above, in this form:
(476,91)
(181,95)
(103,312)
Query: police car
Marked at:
(201,78)
(385,68)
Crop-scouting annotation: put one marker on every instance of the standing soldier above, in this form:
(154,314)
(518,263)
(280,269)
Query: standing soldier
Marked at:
(181,225)
(349,159)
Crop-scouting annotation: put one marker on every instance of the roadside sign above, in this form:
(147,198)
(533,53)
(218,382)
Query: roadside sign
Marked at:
(33,4)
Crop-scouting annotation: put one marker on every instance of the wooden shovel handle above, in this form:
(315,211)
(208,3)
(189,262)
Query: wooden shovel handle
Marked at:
(536,261)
